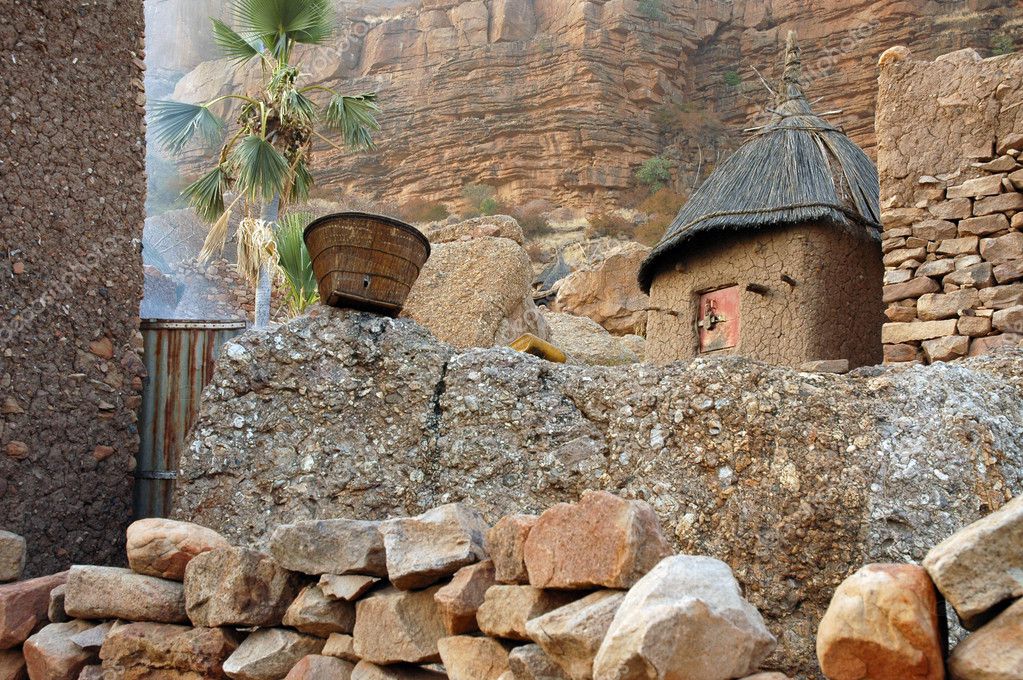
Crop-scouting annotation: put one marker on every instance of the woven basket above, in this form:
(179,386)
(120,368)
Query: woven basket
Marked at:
(365,261)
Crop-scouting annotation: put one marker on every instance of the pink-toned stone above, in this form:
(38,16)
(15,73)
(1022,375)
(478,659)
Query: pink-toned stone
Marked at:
(12,665)
(882,623)
(947,348)
(529,662)
(1008,272)
(913,288)
(51,655)
(94,592)
(342,646)
(959,246)
(422,550)
(459,600)
(239,587)
(395,626)
(981,186)
(269,654)
(998,204)
(314,613)
(23,607)
(506,609)
(974,326)
(994,652)
(138,651)
(984,226)
(366,670)
(994,342)
(601,541)
(473,658)
(571,635)
(935,306)
(319,667)
(164,547)
(1002,248)
(952,209)
(934,230)
(347,587)
(506,543)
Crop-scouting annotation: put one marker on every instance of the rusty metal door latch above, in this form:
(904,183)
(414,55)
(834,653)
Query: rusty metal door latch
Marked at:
(711,318)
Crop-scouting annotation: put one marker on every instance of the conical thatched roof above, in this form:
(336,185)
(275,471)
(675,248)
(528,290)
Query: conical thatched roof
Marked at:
(798,168)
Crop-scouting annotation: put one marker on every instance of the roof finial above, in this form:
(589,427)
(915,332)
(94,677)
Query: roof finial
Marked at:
(793,67)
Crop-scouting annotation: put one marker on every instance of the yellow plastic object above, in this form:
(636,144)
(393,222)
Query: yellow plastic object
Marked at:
(530,344)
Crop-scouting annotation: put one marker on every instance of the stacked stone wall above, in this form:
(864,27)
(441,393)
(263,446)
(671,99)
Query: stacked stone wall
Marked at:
(950,142)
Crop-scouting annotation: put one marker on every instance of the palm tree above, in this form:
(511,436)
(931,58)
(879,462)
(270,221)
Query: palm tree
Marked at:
(266,159)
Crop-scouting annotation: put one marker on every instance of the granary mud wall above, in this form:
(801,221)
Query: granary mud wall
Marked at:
(831,310)
(950,136)
(72,187)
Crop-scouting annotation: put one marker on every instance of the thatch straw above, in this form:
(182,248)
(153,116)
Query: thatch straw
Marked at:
(797,169)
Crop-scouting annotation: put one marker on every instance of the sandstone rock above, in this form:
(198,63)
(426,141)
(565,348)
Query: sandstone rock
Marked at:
(342,646)
(607,292)
(505,543)
(459,600)
(1002,248)
(237,587)
(862,492)
(476,293)
(501,226)
(981,346)
(935,230)
(91,672)
(12,665)
(978,567)
(422,550)
(601,541)
(1007,272)
(115,593)
(893,276)
(163,547)
(973,326)
(571,635)
(319,667)
(837,366)
(984,226)
(982,186)
(586,342)
(900,353)
(1009,320)
(883,623)
(685,619)
(913,288)
(898,257)
(530,662)
(315,614)
(1001,297)
(393,626)
(93,638)
(952,209)
(993,652)
(366,670)
(473,658)
(975,276)
(55,612)
(936,268)
(506,609)
(946,349)
(933,307)
(23,607)
(349,587)
(12,556)
(901,313)
(330,546)
(269,654)
(959,246)
(998,204)
(895,333)
(151,650)
(51,655)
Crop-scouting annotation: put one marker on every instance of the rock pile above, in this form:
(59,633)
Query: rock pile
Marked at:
(584,590)
(887,620)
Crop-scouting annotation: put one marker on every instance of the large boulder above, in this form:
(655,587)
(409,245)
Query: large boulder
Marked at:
(238,587)
(349,414)
(607,291)
(476,293)
(685,620)
(163,547)
(587,342)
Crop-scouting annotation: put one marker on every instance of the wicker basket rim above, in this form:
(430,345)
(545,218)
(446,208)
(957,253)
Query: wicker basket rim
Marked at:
(318,222)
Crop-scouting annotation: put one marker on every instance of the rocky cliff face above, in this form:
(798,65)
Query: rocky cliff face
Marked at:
(794,479)
(564,99)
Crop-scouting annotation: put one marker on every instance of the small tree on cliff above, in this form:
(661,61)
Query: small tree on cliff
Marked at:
(266,160)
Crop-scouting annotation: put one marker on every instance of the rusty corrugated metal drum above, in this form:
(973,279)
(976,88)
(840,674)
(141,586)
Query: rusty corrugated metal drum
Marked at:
(180,357)
(365,261)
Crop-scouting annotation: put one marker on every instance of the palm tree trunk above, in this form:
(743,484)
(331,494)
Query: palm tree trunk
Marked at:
(264,288)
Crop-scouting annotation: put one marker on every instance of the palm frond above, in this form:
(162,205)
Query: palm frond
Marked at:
(232,44)
(294,263)
(206,195)
(175,123)
(263,172)
(301,182)
(255,247)
(217,235)
(278,22)
(354,117)
(296,105)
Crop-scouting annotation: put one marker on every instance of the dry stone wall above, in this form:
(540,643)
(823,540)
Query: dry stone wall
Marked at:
(792,479)
(950,139)
(71,214)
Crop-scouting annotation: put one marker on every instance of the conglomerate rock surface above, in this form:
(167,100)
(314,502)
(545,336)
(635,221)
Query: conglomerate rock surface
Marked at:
(793,479)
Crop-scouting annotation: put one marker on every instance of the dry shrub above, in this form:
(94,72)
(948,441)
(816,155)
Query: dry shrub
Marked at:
(533,218)
(663,202)
(537,253)
(650,232)
(422,210)
(609,224)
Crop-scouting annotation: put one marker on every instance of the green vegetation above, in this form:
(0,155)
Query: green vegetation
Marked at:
(733,79)
(266,159)
(1002,44)
(480,199)
(651,9)
(295,267)
(655,173)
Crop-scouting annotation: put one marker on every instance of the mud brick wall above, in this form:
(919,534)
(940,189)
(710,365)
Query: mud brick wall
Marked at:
(72,192)
(950,140)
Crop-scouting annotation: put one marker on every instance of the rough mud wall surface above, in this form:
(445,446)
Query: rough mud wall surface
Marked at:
(794,479)
(72,187)
(832,312)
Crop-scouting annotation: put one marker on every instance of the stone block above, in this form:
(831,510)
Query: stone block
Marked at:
(314,613)
(973,326)
(902,255)
(347,587)
(984,226)
(505,543)
(529,662)
(365,670)
(1009,320)
(1002,248)
(330,546)
(935,230)
(882,623)
(24,606)
(959,246)
(159,650)
(934,307)
(397,626)
(981,186)
(994,342)
(901,313)
(342,646)
(899,353)
(473,658)
(12,556)
(947,348)
(1001,203)
(600,542)
(1001,297)
(1007,272)
(163,547)
(12,665)
(936,268)
(320,667)
(506,609)
(114,593)
(269,654)
(571,635)
(51,655)
(422,550)
(896,333)
(914,288)
(980,275)
(459,600)
(978,567)
(237,587)
(952,209)
(992,653)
